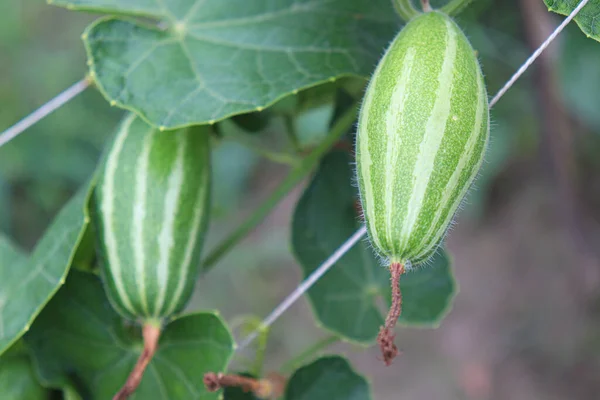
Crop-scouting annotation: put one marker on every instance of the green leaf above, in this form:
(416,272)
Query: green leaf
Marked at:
(345,300)
(144,8)
(27,285)
(17,378)
(587,19)
(328,378)
(79,336)
(211,59)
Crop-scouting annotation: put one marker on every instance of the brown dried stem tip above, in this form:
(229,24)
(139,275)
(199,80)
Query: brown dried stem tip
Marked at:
(272,387)
(151,333)
(386,336)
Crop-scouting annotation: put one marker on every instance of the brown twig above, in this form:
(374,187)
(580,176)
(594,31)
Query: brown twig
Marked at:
(386,336)
(272,387)
(151,333)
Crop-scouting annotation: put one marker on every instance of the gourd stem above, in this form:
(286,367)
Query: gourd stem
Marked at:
(151,333)
(426,6)
(386,336)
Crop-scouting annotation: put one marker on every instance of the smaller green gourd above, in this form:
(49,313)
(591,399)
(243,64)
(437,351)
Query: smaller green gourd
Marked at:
(422,134)
(151,209)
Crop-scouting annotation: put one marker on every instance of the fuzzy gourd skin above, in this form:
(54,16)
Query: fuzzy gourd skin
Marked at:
(151,213)
(422,134)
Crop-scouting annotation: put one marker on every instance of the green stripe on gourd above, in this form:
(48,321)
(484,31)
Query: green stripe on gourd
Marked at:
(422,134)
(152,213)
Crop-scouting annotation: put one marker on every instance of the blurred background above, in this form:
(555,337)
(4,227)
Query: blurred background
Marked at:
(526,323)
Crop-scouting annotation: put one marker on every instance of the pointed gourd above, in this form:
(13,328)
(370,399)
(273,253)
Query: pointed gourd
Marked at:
(151,208)
(422,134)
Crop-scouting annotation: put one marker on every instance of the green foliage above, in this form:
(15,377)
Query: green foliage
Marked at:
(217,59)
(346,299)
(28,283)
(328,378)
(190,62)
(79,338)
(587,19)
(17,378)
(18,382)
(11,260)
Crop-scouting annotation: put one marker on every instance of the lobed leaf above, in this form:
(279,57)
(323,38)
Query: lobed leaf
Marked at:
(347,299)
(27,284)
(587,19)
(17,377)
(211,59)
(79,336)
(328,378)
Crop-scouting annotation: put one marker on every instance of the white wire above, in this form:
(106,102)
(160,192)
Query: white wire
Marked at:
(537,53)
(305,285)
(44,111)
(347,245)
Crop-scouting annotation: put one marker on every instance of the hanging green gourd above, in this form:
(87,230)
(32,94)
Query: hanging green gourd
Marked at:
(422,134)
(151,213)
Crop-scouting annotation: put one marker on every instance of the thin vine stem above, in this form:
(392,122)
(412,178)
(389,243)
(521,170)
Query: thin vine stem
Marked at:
(294,177)
(261,352)
(274,156)
(362,231)
(60,100)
